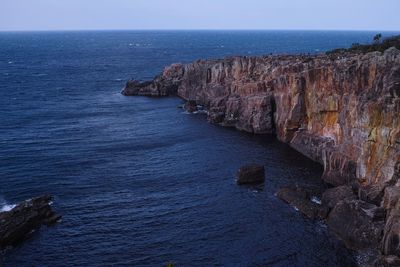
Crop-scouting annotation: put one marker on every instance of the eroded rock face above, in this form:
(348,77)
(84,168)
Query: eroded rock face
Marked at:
(341,112)
(26,217)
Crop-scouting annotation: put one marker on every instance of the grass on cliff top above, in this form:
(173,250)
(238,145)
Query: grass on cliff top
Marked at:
(377,45)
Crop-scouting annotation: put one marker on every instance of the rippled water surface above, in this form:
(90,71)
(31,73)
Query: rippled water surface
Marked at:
(139,182)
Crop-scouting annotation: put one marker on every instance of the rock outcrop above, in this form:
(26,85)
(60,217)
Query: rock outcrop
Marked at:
(250,174)
(25,218)
(341,110)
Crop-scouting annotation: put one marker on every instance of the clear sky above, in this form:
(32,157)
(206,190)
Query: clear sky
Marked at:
(199,14)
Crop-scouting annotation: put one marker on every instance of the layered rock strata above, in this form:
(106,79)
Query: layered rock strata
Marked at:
(341,110)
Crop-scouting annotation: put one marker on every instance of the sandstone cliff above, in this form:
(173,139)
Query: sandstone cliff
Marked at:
(343,111)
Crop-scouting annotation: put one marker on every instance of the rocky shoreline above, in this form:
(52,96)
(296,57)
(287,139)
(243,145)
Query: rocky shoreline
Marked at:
(341,110)
(25,218)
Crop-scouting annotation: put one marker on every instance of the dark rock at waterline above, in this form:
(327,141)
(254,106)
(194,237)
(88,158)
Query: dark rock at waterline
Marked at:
(359,224)
(250,174)
(25,218)
(334,195)
(216,115)
(190,106)
(304,200)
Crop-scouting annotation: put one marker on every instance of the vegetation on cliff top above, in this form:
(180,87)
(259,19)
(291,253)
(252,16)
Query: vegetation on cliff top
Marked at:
(377,45)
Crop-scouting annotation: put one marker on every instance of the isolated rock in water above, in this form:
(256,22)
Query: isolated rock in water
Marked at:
(190,106)
(304,200)
(359,224)
(334,195)
(26,217)
(387,261)
(250,174)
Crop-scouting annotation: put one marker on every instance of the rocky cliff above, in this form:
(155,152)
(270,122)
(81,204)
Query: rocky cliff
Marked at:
(341,110)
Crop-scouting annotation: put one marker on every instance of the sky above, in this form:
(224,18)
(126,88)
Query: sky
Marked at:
(201,14)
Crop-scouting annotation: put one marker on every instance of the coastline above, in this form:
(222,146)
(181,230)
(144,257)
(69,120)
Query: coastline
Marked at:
(338,110)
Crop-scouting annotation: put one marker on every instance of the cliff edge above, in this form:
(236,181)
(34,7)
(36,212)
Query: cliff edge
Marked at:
(340,109)
(343,111)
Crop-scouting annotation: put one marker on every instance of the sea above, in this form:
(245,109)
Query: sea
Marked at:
(138,181)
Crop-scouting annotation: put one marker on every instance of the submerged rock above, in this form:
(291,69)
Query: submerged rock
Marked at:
(304,200)
(250,174)
(25,218)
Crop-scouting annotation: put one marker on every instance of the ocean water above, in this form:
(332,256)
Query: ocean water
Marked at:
(139,182)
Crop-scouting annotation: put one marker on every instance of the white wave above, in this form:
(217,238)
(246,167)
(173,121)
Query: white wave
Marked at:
(316,200)
(7,208)
(4,206)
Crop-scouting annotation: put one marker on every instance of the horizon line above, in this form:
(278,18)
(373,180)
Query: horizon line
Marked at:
(197,29)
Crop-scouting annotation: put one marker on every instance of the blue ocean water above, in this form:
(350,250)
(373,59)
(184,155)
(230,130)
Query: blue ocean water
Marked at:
(139,182)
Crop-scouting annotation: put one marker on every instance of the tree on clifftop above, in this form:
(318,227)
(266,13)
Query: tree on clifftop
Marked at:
(377,38)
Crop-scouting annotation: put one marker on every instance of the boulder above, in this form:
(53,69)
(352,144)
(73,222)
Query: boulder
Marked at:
(387,261)
(250,174)
(334,195)
(359,224)
(302,200)
(25,218)
(372,193)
